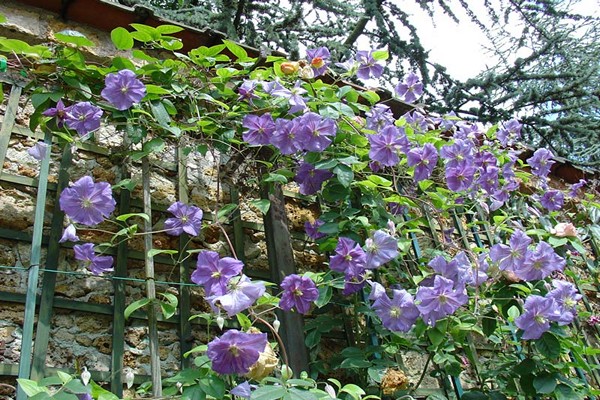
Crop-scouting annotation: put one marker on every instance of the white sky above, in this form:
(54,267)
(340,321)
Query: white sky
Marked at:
(459,47)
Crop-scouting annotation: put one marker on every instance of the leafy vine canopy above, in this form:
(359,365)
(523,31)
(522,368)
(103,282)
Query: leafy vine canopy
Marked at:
(504,247)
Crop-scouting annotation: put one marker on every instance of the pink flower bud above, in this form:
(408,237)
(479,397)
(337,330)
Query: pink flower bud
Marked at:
(565,229)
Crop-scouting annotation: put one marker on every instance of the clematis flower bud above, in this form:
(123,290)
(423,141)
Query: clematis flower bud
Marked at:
(306,73)
(220,322)
(276,325)
(85,376)
(129,377)
(289,67)
(564,229)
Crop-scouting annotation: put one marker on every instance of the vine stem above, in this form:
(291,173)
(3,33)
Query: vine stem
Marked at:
(277,337)
(218,168)
(424,371)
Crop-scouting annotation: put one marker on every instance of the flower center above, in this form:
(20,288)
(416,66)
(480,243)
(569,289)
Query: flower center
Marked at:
(317,62)
(540,319)
(86,203)
(443,299)
(215,274)
(184,219)
(297,292)
(395,312)
(234,350)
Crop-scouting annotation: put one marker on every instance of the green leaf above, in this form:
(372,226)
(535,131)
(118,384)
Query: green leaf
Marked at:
(268,393)
(213,386)
(263,205)
(73,37)
(344,174)
(325,293)
(272,177)
(121,38)
(297,394)
(128,184)
(379,181)
(380,55)
(355,363)
(353,390)
(194,392)
(168,29)
(155,252)
(135,306)
(244,321)
(64,377)
(544,383)
(224,212)
(125,217)
(75,386)
(107,396)
(436,396)
(154,89)
(31,388)
(489,323)
(474,395)
(236,49)
(564,392)
(2,18)
(548,345)
(167,309)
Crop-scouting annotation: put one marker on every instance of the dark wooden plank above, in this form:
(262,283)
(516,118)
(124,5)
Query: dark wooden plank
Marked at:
(42,335)
(281,264)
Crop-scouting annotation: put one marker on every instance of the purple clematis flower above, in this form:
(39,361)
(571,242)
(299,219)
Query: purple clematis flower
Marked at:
(69,234)
(294,96)
(285,137)
(39,151)
(460,178)
(386,144)
(379,116)
(458,270)
(241,294)
(187,219)
(349,257)
(235,352)
(246,90)
(86,202)
(511,257)
(83,117)
(566,296)
(398,314)
(312,229)
(440,300)
(354,282)
(509,131)
(380,248)
(424,160)
(538,312)
(552,200)
(541,162)
(540,263)
(97,264)
(243,390)
(123,89)
(573,192)
(367,65)
(298,293)
(310,179)
(259,129)
(410,89)
(458,153)
(315,133)
(214,272)
(60,112)
(318,59)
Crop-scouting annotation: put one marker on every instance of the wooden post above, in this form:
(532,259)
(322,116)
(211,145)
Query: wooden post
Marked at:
(150,285)
(281,264)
